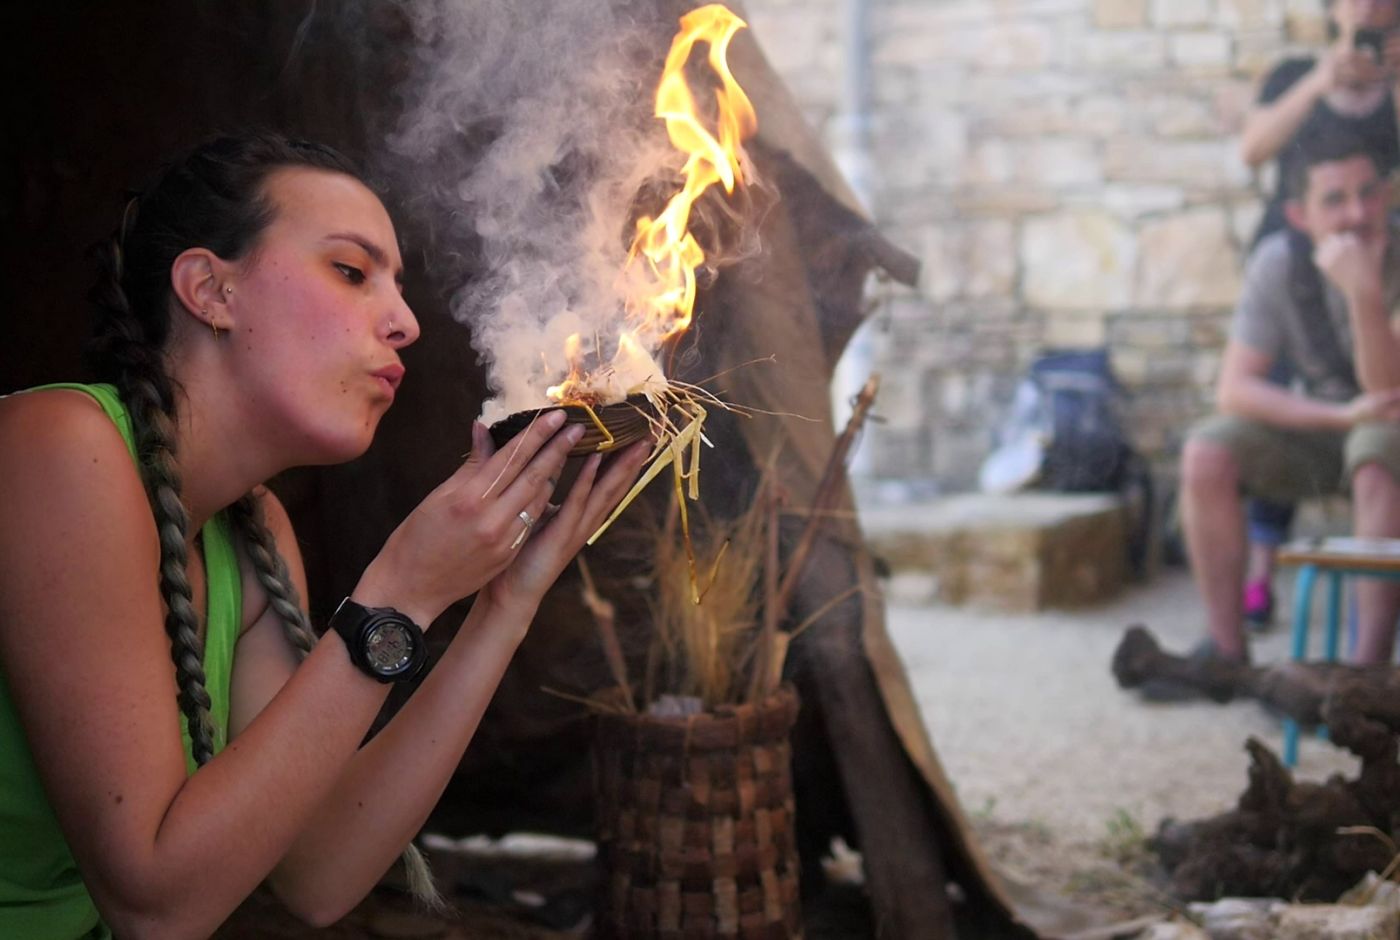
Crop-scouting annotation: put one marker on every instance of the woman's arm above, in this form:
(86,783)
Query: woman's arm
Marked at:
(88,665)
(392,784)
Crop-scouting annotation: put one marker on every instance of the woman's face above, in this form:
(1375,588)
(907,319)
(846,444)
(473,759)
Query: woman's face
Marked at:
(319,318)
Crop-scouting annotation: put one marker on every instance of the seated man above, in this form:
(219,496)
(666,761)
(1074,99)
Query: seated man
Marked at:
(1321,293)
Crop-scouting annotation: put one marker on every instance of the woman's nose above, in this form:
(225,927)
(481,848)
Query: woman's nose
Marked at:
(401,325)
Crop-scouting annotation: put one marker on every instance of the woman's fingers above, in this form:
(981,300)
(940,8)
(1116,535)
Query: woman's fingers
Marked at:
(615,482)
(515,455)
(531,488)
(594,494)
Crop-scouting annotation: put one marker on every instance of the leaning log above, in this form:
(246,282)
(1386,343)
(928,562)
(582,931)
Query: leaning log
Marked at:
(1285,838)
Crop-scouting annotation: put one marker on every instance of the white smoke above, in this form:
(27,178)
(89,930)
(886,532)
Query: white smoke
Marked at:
(560,90)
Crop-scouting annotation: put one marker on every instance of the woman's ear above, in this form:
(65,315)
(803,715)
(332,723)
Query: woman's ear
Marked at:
(195,280)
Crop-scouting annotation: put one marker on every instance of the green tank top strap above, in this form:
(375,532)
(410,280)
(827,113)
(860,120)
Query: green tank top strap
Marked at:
(224,588)
(111,403)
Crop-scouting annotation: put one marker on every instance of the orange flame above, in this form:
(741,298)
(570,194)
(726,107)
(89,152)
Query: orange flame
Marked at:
(659,274)
(664,246)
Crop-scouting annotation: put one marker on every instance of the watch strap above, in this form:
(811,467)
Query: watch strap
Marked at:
(351,620)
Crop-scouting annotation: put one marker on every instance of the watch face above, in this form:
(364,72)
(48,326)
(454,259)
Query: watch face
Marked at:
(388,647)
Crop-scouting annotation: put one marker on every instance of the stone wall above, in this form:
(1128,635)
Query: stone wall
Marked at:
(1068,172)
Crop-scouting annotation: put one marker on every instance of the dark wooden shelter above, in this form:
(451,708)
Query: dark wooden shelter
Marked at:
(96,93)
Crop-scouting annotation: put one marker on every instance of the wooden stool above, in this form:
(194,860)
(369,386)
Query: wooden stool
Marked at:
(1335,557)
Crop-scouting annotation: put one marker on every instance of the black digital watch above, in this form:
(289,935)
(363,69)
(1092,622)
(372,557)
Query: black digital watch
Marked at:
(383,643)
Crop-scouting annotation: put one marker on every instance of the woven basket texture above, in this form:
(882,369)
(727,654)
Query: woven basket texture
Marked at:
(695,824)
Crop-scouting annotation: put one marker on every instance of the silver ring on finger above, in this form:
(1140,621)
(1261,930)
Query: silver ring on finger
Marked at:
(529,521)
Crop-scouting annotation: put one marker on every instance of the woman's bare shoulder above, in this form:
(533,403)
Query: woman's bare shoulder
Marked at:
(58,445)
(61,419)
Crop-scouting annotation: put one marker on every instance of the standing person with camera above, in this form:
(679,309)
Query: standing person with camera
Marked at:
(1349,90)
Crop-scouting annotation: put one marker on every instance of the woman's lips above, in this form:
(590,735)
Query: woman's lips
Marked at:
(389,377)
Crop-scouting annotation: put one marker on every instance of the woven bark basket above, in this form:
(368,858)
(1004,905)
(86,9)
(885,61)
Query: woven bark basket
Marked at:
(695,824)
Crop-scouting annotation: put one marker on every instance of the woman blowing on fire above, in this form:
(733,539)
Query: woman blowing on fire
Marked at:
(250,321)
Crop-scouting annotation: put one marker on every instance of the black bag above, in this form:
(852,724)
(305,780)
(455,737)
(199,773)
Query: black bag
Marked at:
(1086,447)
(1087,450)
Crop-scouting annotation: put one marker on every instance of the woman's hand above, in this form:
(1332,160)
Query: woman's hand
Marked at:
(465,532)
(556,540)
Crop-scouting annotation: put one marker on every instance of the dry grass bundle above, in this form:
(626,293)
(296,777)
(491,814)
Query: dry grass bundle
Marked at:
(719,594)
(700,650)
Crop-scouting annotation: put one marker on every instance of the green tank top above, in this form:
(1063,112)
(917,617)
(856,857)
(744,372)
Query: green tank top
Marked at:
(42,896)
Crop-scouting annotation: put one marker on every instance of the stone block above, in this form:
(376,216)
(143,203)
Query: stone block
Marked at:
(1244,220)
(918,147)
(1200,51)
(1120,14)
(1208,164)
(1134,200)
(1001,201)
(1136,50)
(991,161)
(1077,259)
(1174,13)
(1059,162)
(1075,328)
(791,38)
(1250,14)
(1101,115)
(991,262)
(1188,260)
(1020,552)
(1183,116)
(1305,23)
(941,266)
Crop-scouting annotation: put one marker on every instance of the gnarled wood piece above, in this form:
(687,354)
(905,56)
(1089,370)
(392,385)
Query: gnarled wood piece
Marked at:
(1285,838)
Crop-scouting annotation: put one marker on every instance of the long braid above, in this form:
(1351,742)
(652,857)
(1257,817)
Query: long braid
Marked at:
(134,364)
(247,518)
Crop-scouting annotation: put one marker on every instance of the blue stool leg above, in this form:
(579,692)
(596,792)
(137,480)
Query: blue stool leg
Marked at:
(1334,625)
(1334,615)
(1302,609)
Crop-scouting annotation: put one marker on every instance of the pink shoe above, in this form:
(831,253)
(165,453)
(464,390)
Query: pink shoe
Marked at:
(1258,605)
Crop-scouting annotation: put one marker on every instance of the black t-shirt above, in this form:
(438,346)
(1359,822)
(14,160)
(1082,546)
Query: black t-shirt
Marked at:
(1377,129)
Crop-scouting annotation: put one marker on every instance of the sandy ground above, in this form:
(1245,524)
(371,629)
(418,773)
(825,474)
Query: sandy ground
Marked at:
(1034,733)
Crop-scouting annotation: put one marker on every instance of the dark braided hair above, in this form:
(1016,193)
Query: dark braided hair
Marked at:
(214,197)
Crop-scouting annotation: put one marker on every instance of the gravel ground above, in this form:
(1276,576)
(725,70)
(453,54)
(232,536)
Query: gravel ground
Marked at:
(1034,732)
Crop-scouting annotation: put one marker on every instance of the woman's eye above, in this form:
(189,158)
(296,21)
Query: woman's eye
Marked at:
(352,274)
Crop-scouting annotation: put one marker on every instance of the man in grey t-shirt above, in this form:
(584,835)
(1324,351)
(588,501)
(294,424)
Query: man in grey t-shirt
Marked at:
(1321,293)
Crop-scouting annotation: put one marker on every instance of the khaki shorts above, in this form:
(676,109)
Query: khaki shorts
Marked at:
(1287,465)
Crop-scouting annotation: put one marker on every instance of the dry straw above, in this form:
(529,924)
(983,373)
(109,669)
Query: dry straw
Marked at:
(720,594)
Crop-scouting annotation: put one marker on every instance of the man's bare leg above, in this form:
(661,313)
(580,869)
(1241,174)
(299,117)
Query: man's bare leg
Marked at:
(1212,512)
(1376,509)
